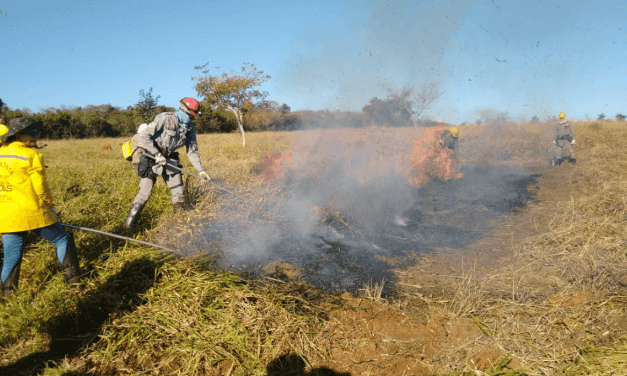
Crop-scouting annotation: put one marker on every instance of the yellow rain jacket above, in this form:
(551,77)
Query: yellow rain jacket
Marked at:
(25,199)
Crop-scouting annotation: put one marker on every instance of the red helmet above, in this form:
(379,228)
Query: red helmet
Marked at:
(190,106)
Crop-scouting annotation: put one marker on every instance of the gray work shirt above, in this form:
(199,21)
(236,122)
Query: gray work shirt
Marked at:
(564,130)
(450,141)
(164,135)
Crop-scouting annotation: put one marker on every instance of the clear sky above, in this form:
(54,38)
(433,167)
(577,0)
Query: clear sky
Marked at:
(523,57)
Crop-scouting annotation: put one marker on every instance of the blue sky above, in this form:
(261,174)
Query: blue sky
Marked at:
(523,57)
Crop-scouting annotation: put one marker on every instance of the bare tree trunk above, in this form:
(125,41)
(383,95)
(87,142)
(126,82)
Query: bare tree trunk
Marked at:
(238,117)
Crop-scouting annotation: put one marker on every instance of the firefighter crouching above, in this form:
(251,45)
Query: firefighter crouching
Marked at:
(168,132)
(564,139)
(26,204)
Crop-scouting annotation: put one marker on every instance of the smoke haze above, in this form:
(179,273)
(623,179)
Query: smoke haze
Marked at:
(343,213)
(524,58)
(395,42)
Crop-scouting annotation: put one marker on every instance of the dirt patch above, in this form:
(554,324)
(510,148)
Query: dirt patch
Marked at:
(368,337)
(282,271)
(570,299)
(105,147)
(486,358)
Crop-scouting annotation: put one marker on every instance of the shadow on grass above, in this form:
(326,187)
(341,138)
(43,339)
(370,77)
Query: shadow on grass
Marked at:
(295,365)
(74,331)
(92,245)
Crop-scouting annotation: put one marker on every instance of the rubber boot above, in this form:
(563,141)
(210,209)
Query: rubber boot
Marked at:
(133,215)
(10,285)
(71,266)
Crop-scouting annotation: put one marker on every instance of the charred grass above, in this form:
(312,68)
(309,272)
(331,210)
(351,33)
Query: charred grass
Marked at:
(551,293)
(544,293)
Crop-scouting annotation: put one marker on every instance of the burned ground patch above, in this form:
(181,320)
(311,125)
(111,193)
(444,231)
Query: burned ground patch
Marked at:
(342,239)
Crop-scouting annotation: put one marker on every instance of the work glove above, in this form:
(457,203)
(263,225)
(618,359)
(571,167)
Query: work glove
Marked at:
(54,212)
(572,142)
(160,159)
(157,169)
(204,176)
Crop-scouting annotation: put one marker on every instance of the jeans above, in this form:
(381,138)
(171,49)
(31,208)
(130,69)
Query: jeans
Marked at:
(15,242)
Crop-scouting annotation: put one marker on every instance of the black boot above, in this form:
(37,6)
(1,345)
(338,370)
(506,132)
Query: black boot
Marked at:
(71,267)
(10,285)
(133,215)
(556,162)
(573,160)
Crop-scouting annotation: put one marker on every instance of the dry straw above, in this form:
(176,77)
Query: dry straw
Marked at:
(555,305)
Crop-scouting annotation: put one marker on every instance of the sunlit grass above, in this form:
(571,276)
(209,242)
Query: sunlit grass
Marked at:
(141,311)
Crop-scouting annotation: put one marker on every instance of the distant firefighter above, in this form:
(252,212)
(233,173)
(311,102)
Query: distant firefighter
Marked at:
(434,156)
(450,140)
(564,139)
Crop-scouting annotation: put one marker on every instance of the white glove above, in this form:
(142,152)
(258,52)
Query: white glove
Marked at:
(204,176)
(54,212)
(572,142)
(160,159)
(157,169)
(554,143)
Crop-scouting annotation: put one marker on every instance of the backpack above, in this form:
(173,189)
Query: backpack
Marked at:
(130,147)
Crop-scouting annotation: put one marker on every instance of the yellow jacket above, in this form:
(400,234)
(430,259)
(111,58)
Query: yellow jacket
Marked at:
(25,199)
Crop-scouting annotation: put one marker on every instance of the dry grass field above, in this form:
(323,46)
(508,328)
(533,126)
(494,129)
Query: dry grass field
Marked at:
(540,289)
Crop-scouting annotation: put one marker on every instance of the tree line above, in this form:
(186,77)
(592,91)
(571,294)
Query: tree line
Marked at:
(108,121)
(229,101)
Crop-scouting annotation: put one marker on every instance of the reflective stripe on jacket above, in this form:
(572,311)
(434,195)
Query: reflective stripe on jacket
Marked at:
(25,199)
(163,135)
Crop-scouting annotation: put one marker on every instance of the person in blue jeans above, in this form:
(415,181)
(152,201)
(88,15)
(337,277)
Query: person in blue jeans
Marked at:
(26,204)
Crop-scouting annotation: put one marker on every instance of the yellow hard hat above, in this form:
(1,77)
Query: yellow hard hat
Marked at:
(562,115)
(454,131)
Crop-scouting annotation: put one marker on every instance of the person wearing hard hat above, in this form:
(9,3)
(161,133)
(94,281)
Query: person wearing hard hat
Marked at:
(564,139)
(450,140)
(161,138)
(26,204)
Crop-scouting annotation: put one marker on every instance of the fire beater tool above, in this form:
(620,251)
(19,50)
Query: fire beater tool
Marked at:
(117,236)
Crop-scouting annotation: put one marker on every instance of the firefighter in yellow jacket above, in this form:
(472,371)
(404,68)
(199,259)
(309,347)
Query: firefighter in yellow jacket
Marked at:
(26,204)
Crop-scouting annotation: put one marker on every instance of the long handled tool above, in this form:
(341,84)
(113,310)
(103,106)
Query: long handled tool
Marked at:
(194,175)
(117,236)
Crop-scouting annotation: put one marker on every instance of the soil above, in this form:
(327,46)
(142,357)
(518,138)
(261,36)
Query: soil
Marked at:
(370,336)
(465,230)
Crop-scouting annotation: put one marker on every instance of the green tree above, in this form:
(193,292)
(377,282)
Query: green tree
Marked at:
(601,117)
(147,104)
(234,91)
(620,117)
(97,126)
(402,105)
(214,121)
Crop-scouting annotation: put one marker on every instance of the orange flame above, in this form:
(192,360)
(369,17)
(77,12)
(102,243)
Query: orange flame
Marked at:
(272,165)
(429,159)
